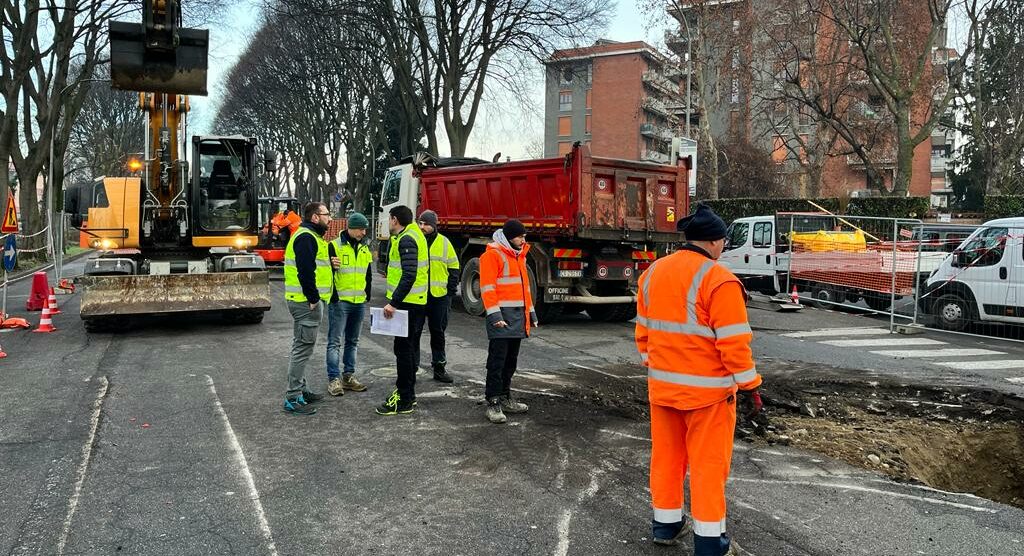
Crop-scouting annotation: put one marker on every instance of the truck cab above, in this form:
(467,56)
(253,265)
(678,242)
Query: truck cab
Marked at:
(750,252)
(982,280)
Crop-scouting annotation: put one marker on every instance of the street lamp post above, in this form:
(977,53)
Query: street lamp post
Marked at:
(57,254)
(689,70)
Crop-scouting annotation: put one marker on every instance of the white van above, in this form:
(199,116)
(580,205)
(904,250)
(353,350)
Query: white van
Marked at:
(983,280)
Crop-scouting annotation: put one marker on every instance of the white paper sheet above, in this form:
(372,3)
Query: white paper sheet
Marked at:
(397,325)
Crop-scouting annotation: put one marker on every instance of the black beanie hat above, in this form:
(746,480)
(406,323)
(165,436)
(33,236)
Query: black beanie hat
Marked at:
(703,225)
(513,229)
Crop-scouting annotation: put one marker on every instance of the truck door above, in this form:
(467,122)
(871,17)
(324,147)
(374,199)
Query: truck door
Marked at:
(643,202)
(762,248)
(395,191)
(736,256)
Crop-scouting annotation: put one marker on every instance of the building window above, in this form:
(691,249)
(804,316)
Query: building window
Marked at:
(735,26)
(588,123)
(564,126)
(589,99)
(735,90)
(564,101)
(564,148)
(778,149)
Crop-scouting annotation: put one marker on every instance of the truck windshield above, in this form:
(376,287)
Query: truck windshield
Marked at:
(223,185)
(392,187)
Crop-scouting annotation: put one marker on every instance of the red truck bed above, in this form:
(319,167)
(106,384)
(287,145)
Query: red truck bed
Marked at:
(573,196)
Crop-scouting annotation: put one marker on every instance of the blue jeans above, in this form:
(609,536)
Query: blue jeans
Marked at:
(343,318)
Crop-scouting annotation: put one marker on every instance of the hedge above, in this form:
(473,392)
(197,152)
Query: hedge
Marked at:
(885,207)
(1003,206)
(731,209)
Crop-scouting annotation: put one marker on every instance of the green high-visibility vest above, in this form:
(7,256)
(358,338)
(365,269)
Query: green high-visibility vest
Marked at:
(350,278)
(292,287)
(418,294)
(442,261)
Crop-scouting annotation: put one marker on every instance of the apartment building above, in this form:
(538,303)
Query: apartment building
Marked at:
(615,97)
(742,76)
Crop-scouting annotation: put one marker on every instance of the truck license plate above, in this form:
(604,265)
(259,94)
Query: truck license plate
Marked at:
(570,274)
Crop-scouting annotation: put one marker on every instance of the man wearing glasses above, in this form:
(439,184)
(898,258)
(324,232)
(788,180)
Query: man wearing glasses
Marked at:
(308,285)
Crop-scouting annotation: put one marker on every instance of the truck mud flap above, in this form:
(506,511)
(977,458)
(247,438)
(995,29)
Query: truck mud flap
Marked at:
(173,293)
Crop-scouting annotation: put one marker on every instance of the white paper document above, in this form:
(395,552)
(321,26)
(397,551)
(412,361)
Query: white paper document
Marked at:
(397,325)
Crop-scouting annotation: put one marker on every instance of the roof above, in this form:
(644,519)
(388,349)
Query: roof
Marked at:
(604,48)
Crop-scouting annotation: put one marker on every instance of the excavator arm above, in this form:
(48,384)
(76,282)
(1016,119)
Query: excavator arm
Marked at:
(159,55)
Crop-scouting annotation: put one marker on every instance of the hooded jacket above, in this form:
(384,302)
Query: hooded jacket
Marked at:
(505,288)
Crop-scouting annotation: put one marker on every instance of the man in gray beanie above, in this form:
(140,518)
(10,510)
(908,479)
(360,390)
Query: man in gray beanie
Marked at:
(443,275)
(352,262)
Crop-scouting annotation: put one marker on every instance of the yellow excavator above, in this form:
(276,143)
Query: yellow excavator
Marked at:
(177,235)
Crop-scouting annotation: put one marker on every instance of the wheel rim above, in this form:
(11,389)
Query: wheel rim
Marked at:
(952,312)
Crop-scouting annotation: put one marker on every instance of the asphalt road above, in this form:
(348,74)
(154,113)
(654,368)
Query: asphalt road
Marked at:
(169,439)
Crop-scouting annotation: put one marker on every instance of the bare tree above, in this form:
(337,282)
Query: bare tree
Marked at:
(106,133)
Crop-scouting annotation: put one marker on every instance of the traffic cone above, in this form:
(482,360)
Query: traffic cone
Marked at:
(794,297)
(37,299)
(67,285)
(45,324)
(54,310)
(7,321)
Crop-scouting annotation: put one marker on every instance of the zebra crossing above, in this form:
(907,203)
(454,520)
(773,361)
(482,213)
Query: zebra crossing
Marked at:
(936,352)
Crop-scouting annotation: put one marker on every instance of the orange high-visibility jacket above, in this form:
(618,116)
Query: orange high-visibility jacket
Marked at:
(692,332)
(505,285)
(280,221)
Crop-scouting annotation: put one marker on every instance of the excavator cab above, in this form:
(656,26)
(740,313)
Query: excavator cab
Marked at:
(159,55)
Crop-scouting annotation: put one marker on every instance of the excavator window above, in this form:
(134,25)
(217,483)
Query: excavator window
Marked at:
(223,183)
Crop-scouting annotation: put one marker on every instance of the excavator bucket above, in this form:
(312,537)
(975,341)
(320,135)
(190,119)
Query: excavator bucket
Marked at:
(137,64)
(106,296)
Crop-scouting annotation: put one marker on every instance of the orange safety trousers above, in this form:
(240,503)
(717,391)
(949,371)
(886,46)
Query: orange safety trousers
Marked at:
(699,440)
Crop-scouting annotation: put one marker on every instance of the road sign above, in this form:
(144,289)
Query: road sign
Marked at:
(10,223)
(10,253)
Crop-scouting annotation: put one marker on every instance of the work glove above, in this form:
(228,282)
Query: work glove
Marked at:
(750,405)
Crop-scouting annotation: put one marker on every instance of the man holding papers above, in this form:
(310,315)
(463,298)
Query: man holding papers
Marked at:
(408,281)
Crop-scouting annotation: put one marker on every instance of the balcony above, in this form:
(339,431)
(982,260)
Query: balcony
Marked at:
(656,132)
(656,106)
(660,83)
(940,164)
(675,41)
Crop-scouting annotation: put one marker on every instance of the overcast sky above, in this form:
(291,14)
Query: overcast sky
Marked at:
(498,128)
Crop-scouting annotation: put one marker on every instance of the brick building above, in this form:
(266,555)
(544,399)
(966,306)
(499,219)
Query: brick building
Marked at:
(614,97)
(747,66)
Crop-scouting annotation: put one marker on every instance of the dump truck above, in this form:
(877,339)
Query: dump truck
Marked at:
(594,223)
(176,235)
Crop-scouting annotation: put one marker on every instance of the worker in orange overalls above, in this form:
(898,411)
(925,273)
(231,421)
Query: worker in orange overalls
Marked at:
(285,220)
(694,339)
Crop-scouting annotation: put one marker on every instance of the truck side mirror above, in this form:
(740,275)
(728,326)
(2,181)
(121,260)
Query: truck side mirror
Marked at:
(269,162)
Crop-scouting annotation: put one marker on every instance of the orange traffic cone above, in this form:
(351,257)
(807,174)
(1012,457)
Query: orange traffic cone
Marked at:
(54,310)
(794,297)
(67,285)
(45,324)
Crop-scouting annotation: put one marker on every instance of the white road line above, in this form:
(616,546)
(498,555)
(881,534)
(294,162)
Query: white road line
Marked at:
(254,495)
(83,467)
(625,435)
(1016,380)
(578,366)
(520,390)
(857,488)
(881,342)
(830,332)
(984,365)
(950,352)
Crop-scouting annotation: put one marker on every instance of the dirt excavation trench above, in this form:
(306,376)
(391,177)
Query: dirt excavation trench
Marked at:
(952,439)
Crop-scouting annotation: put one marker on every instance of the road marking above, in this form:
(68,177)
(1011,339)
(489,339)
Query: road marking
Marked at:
(983,365)
(830,332)
(896,342)
(1017,380)
(87,449)
(254,495)
(617,433)
(578,366)
(520,390)
(950,352)
(857,488)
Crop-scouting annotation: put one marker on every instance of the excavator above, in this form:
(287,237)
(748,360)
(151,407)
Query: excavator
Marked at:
(176,235)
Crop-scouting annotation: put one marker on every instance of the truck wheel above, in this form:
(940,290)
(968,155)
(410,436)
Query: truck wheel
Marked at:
(825,298)
(952,312)
(472,301)
(878,302)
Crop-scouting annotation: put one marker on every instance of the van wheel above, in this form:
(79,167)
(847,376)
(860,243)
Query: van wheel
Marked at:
(472,301)
(953,312)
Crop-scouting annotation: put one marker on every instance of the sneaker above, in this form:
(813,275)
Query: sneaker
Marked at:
(349,382)
(508,405)
(335,387)
(494,413)
(684,531)
(394,405)
(310,398)
(297,406)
